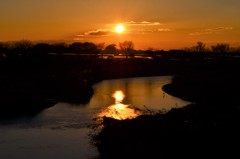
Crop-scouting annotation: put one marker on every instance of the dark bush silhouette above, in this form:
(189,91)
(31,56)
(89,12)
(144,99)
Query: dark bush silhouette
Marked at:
(42,48)
(111,49)
(84,48)
(59,48)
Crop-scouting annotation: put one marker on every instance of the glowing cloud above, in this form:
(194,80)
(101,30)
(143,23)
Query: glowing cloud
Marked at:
(98,32)
(164,29)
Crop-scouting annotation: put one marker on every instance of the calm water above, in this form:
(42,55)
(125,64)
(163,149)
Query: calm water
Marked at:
(62,130)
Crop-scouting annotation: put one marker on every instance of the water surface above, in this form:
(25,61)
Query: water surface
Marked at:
(62,130)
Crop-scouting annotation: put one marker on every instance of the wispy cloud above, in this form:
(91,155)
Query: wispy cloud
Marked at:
(143,23)
(98,32)
(92,33)
(219,29)
(164,29)
(210,31)
(198,33)
(145,30)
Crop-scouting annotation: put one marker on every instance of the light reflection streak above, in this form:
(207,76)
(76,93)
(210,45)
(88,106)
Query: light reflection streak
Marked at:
(119,110)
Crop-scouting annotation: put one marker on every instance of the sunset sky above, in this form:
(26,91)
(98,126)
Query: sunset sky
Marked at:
(159,24)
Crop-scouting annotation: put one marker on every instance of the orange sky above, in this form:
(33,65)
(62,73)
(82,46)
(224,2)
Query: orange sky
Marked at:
(158,24)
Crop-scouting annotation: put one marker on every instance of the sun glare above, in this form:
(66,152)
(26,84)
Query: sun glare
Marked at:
(119,28)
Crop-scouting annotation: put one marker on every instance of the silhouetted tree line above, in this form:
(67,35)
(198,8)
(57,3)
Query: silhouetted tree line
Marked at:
(200,50)
(26,48)
(217,48)
(126,48)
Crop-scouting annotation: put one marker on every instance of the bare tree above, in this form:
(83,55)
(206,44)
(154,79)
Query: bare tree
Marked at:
(22,47)
(23,44)
(127,48)
(221,48)
(201,47)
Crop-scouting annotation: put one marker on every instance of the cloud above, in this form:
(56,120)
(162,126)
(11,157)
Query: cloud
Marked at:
(164,29)
(78,39)
(154,30)
(211,31)
(146,26)
(219,29)
(143,23)
(98,32)
(92,33)
(198,33)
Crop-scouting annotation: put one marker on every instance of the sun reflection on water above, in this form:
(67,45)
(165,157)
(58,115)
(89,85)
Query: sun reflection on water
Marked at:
(119,110)
(119,96)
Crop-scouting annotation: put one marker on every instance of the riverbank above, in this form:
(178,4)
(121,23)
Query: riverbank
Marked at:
(190,132)
(29,86)
(207,128)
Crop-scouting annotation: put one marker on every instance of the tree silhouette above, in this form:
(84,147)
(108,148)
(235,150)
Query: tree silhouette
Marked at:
(41,49)
(84,48)
(2,47)
(59,47)
(2,51)
(23,44)
(111,49)
(90,48)
(76,47)
(221,48)
(200,47)
(20,48)
(237,50)
(101,46)
(126,47)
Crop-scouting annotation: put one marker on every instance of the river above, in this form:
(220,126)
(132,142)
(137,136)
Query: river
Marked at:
(62,131)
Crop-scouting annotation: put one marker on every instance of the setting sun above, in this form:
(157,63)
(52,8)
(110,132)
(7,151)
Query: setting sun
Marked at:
(119,28)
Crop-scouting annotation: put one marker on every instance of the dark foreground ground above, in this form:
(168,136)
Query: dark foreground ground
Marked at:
(208,128)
